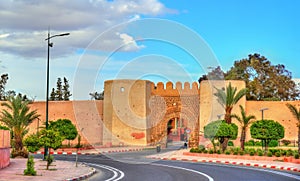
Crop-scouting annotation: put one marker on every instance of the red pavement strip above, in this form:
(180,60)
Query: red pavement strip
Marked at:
(233,163)
(79,153)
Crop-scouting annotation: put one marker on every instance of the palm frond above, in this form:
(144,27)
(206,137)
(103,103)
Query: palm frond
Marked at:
(294,111)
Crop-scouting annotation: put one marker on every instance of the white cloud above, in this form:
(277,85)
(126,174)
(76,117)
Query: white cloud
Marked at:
(24,23)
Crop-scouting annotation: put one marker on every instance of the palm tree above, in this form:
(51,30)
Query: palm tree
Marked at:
(228,99)
(245,121)
(296,114)
(17,117)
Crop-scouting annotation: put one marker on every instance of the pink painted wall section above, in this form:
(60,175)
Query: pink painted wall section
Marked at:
(4,148)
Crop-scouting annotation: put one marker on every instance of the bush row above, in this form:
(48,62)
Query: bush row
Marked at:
(249,151)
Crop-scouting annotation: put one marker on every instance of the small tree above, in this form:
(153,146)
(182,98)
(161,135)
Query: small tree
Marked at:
(32,143)
(267,130)
(30,167)
(52,139)
(245,121)
(66,129)
(220,130)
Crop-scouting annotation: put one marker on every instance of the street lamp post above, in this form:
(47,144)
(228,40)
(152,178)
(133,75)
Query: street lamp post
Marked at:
(219,116)
(262,112)
(49,44)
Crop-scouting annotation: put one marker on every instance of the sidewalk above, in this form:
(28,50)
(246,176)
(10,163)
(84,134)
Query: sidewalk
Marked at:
(178,155)
(61,170)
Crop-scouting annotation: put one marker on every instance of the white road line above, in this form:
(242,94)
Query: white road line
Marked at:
(285,174)
(190,170)
(118,174)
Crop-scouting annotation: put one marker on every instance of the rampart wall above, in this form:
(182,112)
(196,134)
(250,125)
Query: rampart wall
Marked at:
(4,148)
(137,112)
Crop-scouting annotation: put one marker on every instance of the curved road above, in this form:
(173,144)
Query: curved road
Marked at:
(127,168)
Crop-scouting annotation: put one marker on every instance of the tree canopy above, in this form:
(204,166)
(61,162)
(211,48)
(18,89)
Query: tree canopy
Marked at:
(267,130)
(264,80)
(62,91)
(65,127)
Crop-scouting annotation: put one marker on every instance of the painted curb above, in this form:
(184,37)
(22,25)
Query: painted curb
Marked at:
(83,177)
(231,162)
(93,153)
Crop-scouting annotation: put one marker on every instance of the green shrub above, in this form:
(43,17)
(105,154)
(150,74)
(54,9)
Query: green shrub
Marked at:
(205,151)
(219,151)
(193,150)
(201,148)
(249,143)
(211,151)
(286,142)
(289,152)
(235,152)
(269,154)
(296,156)
(30,167)
(241,152)
(3,127)
(260,153)
(283,152)
(258,143)
(251,152)
(230,143)
(277,154)
(227,152)
(273,143)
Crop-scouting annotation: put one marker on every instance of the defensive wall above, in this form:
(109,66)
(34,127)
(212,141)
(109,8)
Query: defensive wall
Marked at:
(4,148)
(139,112)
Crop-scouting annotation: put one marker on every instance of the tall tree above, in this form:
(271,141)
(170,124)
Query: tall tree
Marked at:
(245,121)
(17,117)
(264,80)
(215,74)
(296,114)
(62,92)
(53,95)
(3,81)
(228,98)
(97,96)
(59,91)
(66,92)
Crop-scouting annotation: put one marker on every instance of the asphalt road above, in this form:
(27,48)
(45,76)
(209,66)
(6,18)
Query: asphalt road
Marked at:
(133,166)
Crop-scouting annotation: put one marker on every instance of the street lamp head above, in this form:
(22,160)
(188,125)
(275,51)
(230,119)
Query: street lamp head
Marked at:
(263,109)
(64,34)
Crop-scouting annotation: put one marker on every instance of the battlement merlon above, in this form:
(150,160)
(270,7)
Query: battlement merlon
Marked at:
(178,90)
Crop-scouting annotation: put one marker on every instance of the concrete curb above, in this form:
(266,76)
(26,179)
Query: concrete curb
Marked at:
(83,177)
(230,162)
(93,153)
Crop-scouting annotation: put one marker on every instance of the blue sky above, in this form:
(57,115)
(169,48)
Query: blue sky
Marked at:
(116,39)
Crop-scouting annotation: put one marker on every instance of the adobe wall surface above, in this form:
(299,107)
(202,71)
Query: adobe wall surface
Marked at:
(277,111)
(4,148)
(86,115)
(125,112)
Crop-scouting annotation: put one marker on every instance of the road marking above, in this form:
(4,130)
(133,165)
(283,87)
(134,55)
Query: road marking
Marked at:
(118,174)
(258,169)
(190,170)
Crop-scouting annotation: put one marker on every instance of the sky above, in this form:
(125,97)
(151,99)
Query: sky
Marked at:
(156,40)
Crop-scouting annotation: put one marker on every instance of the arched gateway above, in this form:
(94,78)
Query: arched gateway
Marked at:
(138,112)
